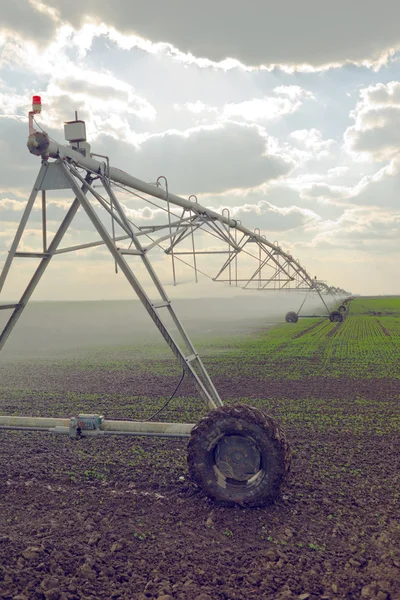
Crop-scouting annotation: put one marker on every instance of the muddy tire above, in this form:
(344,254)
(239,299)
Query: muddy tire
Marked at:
(342,308)
(238,455)
(291,317)
(336,317)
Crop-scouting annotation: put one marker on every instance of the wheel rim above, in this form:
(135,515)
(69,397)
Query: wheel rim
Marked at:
(237,460)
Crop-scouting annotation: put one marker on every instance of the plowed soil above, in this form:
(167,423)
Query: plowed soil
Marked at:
(118,517)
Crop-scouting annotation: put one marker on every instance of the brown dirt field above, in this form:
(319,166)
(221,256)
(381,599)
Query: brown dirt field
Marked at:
(113,518)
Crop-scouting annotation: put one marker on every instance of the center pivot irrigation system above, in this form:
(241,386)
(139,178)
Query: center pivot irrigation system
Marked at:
(236,454)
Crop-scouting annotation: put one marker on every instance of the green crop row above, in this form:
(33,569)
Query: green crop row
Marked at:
(386,305)
(365,345)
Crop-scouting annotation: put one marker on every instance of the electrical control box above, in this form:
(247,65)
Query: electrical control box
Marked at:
(75,131)
(84,423)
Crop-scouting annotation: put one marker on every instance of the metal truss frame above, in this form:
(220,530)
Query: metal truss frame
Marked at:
(85,195)
(249,259)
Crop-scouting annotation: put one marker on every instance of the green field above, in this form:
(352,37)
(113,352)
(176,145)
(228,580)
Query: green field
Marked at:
(366,345)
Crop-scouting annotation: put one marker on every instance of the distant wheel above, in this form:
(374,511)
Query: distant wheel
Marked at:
(291,317)
(342,308)
(239,455)
(336,316)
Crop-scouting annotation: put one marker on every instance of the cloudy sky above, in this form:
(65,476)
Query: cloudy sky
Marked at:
(287,113)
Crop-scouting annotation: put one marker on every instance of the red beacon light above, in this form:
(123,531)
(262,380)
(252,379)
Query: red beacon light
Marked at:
(36,109)
(36,104)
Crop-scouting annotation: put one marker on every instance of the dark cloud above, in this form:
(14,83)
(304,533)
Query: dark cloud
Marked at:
(22,17)
(285,32)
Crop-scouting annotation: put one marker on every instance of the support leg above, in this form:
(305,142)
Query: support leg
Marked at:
(202,379)
(44,263)
(22,225)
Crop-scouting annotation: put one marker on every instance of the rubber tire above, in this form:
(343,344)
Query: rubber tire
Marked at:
(336,316)
(246,421)
(291,317)
(342,308)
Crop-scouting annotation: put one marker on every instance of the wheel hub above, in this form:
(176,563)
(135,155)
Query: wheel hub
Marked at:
(237,457)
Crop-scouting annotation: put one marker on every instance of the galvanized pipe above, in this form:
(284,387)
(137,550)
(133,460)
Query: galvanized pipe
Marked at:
(50,148)
(111,427)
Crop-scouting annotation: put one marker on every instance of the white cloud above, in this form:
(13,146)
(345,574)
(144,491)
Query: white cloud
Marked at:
(197,107)
(102,94)
(376,131)
(271,218)
(145,214)
(359,229)
(18,168)
(11,205)
(203,159)
(324,191)
(379,189)
(311,139)
(287,100)
(11,104)
(105,103)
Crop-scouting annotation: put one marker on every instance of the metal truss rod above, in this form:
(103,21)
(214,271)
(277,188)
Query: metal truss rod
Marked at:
(231,257)
(8,306)
(22,225)
(179,236)
(44,221)
(203,252)
(302,304)
(323,301)
(264,263)
(31,255)
(203,381)
(217,224)
(278,270)
(271,280)
(282,289)
(204,384)
(55,150)
(89,245)
(194,226)
(224,236)
(185,232)
(44,263)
